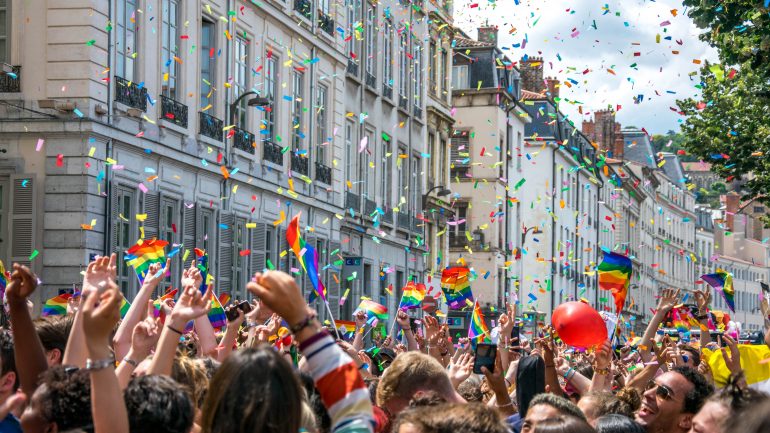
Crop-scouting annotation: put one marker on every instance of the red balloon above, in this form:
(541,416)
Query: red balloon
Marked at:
(579,325)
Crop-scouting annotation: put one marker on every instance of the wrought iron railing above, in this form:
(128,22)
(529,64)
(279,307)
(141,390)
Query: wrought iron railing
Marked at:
(352,201)
(352,67)
(10,82)
(370,206)
(272,152)
(403,221)
(403,103)
(371,81)
(387,91)
(417,111)
(460,171)
(326,22)
(417,225)
(387,217)
(129,93)
(457,240)
(323,173)
(299,163)
(173,111)
(209,126)
(304,8)
(244,140)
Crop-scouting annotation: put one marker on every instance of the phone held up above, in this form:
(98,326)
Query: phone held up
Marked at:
(485,357)
(232,313)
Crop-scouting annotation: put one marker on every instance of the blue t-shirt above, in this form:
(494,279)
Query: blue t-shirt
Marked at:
(10,425)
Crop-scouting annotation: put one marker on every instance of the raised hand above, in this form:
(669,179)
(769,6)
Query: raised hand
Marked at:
(360,318)
(145,336)
(431,330)
(22,284)
(733,359)
(98,274)
(403,320)
(603,356)
(280,293)
(460,368)
(191,304)
(191,277)
(156,273)
(506,325)
(668,299)
(99,320)
(702,299)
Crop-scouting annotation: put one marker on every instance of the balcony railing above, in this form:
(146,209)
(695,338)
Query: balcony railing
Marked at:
(370,207)
(323,173)
(130,94)
(403,221)
(352,67)
(10,82)
(352,201)
(417,111)
(371,81)
(209,126)
(457,240)
(299,163)
(387,91)
(304,8)
(403,102)
(244,140)
(460,171)
(417,225)
(388,216)
(272,152)
(326,22)
(173,111)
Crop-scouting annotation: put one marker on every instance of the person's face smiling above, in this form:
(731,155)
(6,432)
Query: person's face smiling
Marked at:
(537,414)
(32,420)
(663,404)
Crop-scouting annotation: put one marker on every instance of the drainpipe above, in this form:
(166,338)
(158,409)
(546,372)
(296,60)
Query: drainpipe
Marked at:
(508,136)
(553,203)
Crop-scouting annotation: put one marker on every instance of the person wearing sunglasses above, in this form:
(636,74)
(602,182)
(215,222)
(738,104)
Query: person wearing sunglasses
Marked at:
(671,401)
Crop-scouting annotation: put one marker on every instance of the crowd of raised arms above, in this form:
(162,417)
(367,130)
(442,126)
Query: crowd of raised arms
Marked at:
(164,368)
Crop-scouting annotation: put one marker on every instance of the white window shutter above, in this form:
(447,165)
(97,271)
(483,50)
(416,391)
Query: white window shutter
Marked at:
(22,218)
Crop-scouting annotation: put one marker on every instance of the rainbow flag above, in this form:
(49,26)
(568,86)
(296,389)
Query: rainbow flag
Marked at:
(373,310)
(478,327)
(224,298)
(143,254)
(307,256)
(216,314)
(412,297)
(723,281)
(56,306)
(4,277)
(456,285)
(124,306)
(614,275)
(345,327)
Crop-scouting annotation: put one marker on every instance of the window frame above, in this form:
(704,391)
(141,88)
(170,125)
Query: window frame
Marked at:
(241,80)
(370,39)
(403,66)
(321,122)
(297,107)
(124,26)
(387,59)
(457,76)
(169,48)
(207,101)
(270,82)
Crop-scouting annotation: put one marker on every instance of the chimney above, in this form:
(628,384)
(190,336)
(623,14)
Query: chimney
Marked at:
(732,204)
(488,34)
(532,74)
(588,129)
(553,87)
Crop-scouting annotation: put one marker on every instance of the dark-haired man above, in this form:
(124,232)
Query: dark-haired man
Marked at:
(158,404)
(672,400)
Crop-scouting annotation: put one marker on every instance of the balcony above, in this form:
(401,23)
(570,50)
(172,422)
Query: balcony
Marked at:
(460,171)
(130,94)
(387,91)
(304,8)
(352,201)
(10,82)
(370,207)
(388,216)
(371,81)
(403,221)
(323,173)
(244,140)
(403,102)
(417,112)
(326,22)
(299,163)
(173,111)
(271,152)
(209,126)
(352,67)
(457,240)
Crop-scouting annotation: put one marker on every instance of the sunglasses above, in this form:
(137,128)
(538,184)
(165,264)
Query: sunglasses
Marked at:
(662,391)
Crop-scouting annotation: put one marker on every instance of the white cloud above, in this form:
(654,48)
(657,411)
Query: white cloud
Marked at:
(629,27)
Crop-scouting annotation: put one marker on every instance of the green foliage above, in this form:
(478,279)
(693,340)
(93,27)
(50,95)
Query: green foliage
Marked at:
(660,143)
(730,126)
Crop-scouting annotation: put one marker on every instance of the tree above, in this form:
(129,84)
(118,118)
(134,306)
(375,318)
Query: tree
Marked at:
(729,127)
(672,142)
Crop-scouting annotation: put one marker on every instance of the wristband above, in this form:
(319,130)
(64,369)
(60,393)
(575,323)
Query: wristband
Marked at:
(602,371)
(131,362)
(303,324)
(567,373)
(100,364)
(174,329)
(509,404)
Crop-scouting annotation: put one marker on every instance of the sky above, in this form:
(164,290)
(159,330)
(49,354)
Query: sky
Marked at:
(587,40)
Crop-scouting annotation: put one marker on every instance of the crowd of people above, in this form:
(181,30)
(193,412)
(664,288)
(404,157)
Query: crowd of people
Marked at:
(275,368)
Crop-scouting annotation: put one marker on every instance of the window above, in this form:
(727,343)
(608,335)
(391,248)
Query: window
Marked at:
(370,38)
(403,66)
(208,65)
(270,247)
(323,6)
(368,174)
(431,160)
(460,77)
(126,236)
(169,221)
(207,226)
(442,76)
(759,209)
(169,48)
(457,232)
(351,156)
(386,180)
(241,80)
(433,65)
(240,264)
(442,162)
(402,165)
(4,192)
(125,39)
(322,139)
(353,6)
(270,72)
(387,54)
(416,186)
(460,161)
(297,82)
(417,71)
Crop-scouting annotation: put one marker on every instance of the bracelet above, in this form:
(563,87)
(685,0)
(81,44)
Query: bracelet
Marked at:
(509,404)
(101,364)
(131,362)
(251,324)
(567,373)
(303,324)
(174,329)
(602,371)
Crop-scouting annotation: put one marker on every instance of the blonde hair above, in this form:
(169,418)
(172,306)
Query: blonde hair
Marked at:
(412,372)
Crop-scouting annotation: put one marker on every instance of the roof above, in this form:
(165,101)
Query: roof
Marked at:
(527,95)
(637,147)
(672,168)
(696,166)
(461,42)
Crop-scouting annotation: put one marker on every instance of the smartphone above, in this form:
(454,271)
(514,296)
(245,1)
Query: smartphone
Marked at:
(485,357)
(245,306)
(516,333)
(413,325)
(232,312)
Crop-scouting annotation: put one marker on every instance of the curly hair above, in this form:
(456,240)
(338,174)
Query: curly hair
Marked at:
(625,402)
(7,359)
(192,374)
(158,403)
(735,398)
(701,389)
(65,393)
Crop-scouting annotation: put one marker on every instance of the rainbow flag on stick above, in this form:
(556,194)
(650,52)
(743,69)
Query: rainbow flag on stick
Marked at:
(143,254)
(124,306)
(4,277)
(478,328)
(456,285)
(56,306)
(413,296)
(373,310)
(614,275)
(722,281)
(345,327)
(307,256)
(216,314)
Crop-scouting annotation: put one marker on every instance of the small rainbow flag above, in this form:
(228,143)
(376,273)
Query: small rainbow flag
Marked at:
(143,254)
(216,314)
(456,285)
(345,327)
(306,255)
(124,306)
(722,281)
(478,327)
(224,299)
(412,297)
(614,275)
(4,277)
(56,306)
(373,310)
